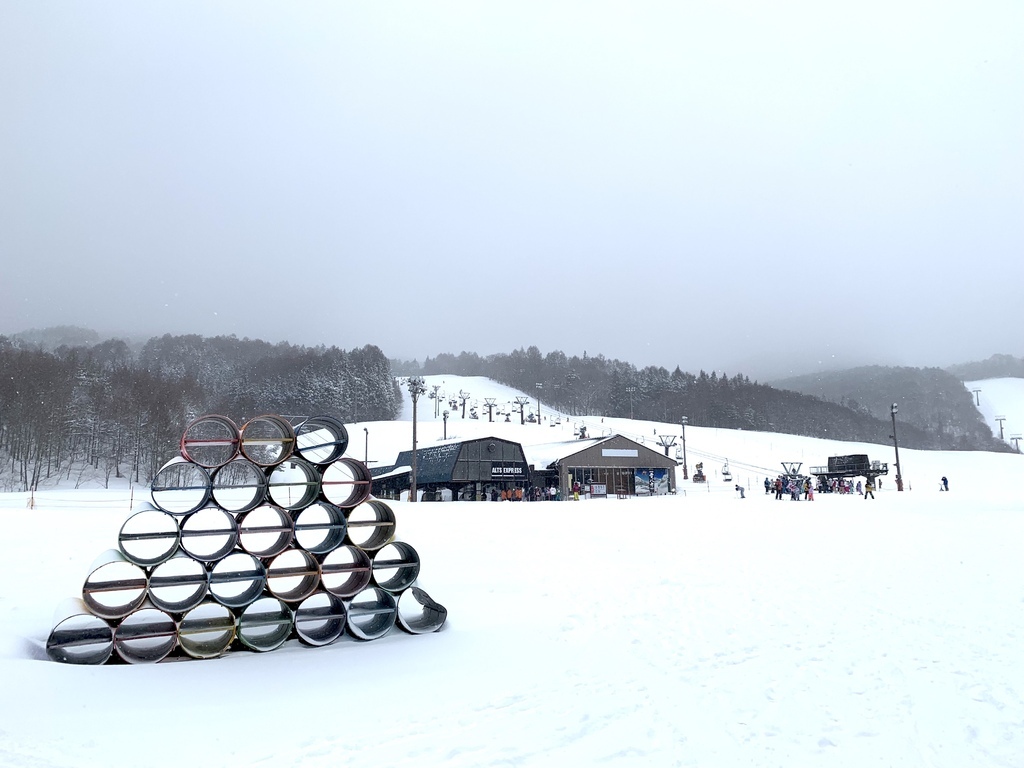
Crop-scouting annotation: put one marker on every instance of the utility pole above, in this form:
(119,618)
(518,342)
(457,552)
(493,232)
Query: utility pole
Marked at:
(539,388)
(683,424)
(630,390)
(416,387)
(896,445)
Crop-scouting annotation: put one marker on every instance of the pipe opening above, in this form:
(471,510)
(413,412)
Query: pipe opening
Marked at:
(346,571)
(206,631)
(210,441)
(179,584)
(371,614)
(265,625)
(371,525)
(180,487)
(293,575)
(239,486)
(267,440)
(149,537)
(320,528)
(79,637)
(265,531)
(114,587)
(294,484)
(237,580)
(418,613)
(209,534)
(395,566)
(321,439)
(320,619)
(146,636)
(347,482)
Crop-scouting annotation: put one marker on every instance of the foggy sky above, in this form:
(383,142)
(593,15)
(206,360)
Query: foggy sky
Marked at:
(765,188)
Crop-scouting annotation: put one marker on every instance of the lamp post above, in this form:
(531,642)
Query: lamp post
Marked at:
(366,446)
(683,424)
(539,388)
(416,388)
(896,445)
(446,424)
(630,390)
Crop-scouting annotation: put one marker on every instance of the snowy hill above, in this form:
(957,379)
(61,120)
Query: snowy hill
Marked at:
(1001,398)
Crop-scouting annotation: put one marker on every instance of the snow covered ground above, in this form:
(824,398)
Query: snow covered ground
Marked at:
(695,630)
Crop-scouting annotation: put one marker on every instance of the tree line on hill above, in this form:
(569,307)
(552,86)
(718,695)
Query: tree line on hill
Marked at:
(111,410)
(72,405)
(935,411)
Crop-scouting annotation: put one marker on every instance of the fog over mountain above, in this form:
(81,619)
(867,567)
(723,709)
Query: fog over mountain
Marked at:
(772,190)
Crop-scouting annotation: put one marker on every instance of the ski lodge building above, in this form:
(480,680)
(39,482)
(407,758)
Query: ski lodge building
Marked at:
(473,470)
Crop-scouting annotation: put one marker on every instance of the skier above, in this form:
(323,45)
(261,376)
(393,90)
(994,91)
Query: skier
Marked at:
(767,486)
(740,489)
(869,489)
(945,483)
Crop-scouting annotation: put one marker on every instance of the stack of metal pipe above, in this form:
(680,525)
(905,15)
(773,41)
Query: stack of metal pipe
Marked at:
(255,535)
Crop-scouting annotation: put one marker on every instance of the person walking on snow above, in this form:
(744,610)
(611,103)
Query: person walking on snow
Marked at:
(869,489)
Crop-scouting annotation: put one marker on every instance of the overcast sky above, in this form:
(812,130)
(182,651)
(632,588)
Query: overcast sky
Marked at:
(756,187)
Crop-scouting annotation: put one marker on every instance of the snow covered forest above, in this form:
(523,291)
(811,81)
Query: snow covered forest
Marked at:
(104,410)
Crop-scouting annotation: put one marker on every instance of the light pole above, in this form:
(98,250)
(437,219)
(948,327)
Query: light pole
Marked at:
(896,445)
(539,388)
(416,388)
(366,446)
(630,390)
(683,424)
(445,423)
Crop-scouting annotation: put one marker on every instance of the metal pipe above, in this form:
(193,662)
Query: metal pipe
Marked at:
(320,619)
(418,613)
(78,636)
(371,614)
(180,487)
(265,624)
(207,630)
(149,537)
(320,528)
(179,584)
(209,534)
(395,566)
(321,439)
(293,575)
(239,485)
(267,440)
(371,525)
(346,571)
(293,484)
(115,586)
(210,441)
(145,636)
(347,482)
(265,531)
(237,580)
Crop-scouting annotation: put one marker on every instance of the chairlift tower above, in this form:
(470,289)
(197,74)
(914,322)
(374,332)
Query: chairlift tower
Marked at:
(667,441)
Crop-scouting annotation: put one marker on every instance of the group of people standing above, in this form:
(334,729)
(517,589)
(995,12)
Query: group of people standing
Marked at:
(795,486)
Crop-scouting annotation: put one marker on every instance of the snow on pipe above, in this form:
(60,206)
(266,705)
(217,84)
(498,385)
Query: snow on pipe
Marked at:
(115,586)
(395,566)
(347,482)
(320,439)
(239,485)
(320,619)
(210,441)
(267,440)
(293,484)
(178,584)
(206,631)
(78,635)
(149,537)
(145,636)
(181,487)
(418,613)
